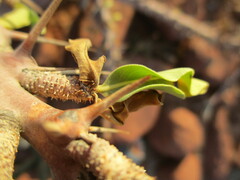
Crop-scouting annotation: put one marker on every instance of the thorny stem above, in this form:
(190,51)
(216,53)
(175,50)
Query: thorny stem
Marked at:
(33,113)
(25,49)
(73,122)
(104,160)
(9,137)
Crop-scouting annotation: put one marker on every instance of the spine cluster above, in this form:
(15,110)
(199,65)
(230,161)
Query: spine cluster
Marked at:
(57,85)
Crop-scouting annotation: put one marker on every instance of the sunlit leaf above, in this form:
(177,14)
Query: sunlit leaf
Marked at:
(178,82)
(20,16)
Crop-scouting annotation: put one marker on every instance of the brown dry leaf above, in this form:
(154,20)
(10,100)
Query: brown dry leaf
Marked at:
(120,110)
(90,70)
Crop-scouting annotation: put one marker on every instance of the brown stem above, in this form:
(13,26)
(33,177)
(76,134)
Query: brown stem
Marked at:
(104,160)
(9,138)
(26,47)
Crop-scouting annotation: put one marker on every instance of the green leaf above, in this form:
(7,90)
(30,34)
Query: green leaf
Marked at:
(198,86)
(20,16)
(178,82)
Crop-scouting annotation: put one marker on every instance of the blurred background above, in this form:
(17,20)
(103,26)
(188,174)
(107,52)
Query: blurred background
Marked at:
(193,139)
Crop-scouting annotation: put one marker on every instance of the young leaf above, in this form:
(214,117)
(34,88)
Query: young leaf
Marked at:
(185,81)
(178,82)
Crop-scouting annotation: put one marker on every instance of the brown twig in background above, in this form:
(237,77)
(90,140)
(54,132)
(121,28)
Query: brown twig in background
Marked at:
(21,36)
(182,22)
(161,11)
(33,6)
(10,2)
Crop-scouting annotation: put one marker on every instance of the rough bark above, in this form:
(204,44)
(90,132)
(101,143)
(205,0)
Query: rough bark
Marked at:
(9,137)
(104,160)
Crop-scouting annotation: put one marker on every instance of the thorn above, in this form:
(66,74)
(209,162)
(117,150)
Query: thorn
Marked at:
(25,48)
(96,109)
(108,130)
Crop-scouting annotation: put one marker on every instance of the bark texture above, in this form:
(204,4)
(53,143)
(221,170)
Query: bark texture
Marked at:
(104,160)
(9,137)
